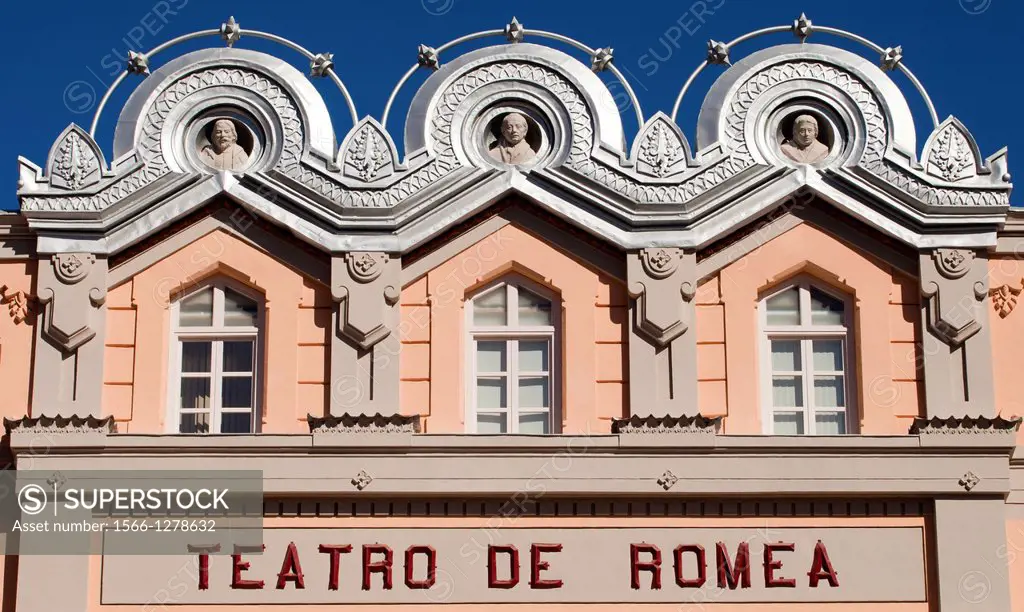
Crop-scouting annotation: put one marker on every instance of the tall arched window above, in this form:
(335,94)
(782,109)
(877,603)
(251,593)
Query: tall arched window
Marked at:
(513,360)
(806,365)
(214,360)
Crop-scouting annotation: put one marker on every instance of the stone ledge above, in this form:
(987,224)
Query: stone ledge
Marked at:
(966,431)
(364,423)
(73,424)
(653,431)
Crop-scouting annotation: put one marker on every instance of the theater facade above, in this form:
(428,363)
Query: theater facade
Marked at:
(530,361)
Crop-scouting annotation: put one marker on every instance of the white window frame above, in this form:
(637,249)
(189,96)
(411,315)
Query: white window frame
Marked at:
(217,334)
(806,332)
(514,332)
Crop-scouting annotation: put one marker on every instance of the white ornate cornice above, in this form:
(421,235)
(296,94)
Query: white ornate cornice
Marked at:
(363,192)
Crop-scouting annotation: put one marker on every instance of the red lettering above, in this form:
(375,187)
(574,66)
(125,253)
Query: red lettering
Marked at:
(821,567)
(636,565)
(204,572)
(702,566)
(492,566)
(771,564)
(291,570)
(381,567)
(735,574)
(335,550)
(537,566)
(431,567)
(204,563)
(237,567)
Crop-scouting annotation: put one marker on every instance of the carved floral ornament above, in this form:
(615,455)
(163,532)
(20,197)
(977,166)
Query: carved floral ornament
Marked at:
(20,304)
(1004,298)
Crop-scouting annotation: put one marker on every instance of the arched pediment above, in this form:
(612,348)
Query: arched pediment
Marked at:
(516,118)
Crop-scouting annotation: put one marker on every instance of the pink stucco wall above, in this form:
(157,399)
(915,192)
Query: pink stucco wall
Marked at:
(1007,337)
(294,344)
(593,310)
(16,339)
(886,324)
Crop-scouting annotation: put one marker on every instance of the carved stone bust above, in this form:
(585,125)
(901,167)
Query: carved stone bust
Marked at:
(224,152)
(804,147)
(512,147)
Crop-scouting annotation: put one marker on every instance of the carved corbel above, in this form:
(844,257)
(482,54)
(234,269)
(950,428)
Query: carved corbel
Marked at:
(953,287)
(70,291)
(663,282)
(366,286)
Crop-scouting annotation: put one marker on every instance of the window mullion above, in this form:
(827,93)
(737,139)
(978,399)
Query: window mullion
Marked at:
(512,301)
(216,375)
(512,380)
(808,369)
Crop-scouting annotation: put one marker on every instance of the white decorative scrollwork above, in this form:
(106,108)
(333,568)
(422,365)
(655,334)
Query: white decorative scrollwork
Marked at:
(445,160)
(660,149)
(75,161)
(150,145)
(950,152)
(368,154)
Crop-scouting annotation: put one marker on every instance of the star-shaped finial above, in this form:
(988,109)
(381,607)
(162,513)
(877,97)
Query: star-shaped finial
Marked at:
(320,64)
(138,63)
(427,57)
(891,58)
(802,27)
(601,58)
(514,31)
(230,31)
(718,53)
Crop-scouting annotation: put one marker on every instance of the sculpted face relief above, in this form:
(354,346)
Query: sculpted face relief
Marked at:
(805,147)
(512,147)
(224,152)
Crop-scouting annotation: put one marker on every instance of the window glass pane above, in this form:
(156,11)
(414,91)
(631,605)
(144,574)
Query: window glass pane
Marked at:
(239,311)
(786,356)
(788,423)
(194,423)
(197,310)
(236,392)
(784,308)
(533,309)
(533,356)
(490,356)
(491,423)
(533,392)
(830,423)
(787,392)
(195,393)
(236,422)
(825,309)
(490,308)
(238,356)
(536,423)
(490,393)
(828,355)
(195,356)
(828,392)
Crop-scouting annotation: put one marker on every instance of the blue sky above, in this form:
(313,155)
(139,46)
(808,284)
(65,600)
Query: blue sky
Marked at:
(62,54)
